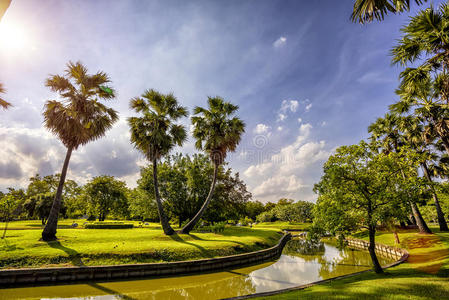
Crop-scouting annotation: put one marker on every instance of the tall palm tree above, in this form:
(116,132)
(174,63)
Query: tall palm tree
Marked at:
(3,103)
(216,132)
(76,120)
(415,136)
(387,131)
(155,134)
(365,11)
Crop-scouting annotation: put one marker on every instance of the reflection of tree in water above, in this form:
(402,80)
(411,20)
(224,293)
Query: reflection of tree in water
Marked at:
(308,250)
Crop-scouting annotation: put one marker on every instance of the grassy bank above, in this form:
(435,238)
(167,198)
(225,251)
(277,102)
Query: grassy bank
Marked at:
(424,276)
(284,225)
(22,247)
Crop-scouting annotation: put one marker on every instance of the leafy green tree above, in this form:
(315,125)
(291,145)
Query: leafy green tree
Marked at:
(3,102)
(76,120)
(365,11)
(142,205)
(253,209)
(107,195)
(216,132)
(155,134)
(300,211)
(8,205)
(356,187)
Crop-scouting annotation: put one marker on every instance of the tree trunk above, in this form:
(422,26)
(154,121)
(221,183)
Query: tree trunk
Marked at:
(162,216)
(49,233)
(411,219)
(396,237)
(197,217)
(423,228)
(440,214)
(6,228)
(445,143)
(402,224)
(372,249)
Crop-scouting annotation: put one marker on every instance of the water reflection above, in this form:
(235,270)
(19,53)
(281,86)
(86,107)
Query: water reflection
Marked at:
(302,262)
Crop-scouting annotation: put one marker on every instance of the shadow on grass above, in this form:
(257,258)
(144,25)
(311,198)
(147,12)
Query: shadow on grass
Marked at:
(109,291)
(74,256)
(179,239)
(9,247)
(195,237)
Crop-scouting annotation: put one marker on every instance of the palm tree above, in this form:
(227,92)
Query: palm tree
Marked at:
(155,134)
(365,11)
(76,120)
(217,133)
(3,7)
(387,131)
(414,134)
(3,103)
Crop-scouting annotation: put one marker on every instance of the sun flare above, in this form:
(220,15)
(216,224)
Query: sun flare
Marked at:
(13,37)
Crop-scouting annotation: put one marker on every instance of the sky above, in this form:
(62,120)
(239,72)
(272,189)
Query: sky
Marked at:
(306,80)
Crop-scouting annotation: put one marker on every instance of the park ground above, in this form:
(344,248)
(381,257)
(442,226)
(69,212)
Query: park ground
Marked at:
(424,276)
(146,244)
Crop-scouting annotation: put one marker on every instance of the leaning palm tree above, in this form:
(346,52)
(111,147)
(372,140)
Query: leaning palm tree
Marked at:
(387,132)
(76,120)
(365,11)
(217,133)
(414,134)
(3,103)
(155,134)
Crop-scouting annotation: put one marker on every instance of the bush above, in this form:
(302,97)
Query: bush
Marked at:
(108,225)
(245,221)
(92,218)
(215,228)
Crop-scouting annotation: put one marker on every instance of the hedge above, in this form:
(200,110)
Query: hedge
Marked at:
(108,226)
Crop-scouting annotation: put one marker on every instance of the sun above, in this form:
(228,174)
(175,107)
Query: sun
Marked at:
(12,37)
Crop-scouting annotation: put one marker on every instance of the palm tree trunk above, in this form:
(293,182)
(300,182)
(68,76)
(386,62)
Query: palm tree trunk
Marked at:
(423,228)
(6,228)
(49,233)
(440,214)
(372,249)
(197,217)
(162,216)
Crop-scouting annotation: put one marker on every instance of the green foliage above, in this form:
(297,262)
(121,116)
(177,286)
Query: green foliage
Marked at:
(184,183)
(218,227)
(105,195)
(3,103)
(253,209)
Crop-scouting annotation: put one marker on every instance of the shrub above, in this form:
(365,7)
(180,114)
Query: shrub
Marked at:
(108,225)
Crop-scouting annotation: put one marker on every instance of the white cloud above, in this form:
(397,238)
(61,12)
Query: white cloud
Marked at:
(287,105)
(280,42)
(324,123)
(280,128)
(262,129)
(282,117)
(308,107)
(292,171)
(299,120)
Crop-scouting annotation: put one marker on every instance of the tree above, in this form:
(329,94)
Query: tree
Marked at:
(142,205)
(253,209)
(76,120)
(356,187)
(3,102)
(107,195)
(8,205)
(366,11)
(217,133)
(155,134)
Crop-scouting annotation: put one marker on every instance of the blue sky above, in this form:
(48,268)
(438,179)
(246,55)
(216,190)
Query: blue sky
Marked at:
(306,79)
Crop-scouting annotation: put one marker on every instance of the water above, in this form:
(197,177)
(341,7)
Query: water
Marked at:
(300,263)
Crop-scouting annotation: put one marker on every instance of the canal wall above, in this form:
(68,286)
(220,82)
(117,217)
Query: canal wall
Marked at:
(12,277)
(401,255)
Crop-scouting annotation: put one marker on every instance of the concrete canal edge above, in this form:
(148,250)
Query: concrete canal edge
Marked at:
(401,255)
(13,277)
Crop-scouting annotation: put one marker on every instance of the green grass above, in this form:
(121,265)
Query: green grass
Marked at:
(22,248)
(424,276)
(281,225)
(66,223)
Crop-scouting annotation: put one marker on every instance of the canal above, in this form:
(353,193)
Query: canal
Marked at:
(301,262)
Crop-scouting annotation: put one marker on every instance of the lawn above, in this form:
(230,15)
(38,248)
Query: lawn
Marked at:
(22,247)
(424,276)
(284,225)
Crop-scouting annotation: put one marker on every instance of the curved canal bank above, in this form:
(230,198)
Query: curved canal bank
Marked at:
(300,263)
(12,277)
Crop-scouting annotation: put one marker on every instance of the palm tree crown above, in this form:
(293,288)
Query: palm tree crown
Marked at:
(155,133)
(80,117)
(3,103)
(214,129)
(365,11)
